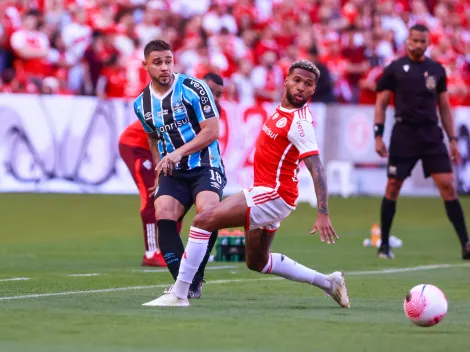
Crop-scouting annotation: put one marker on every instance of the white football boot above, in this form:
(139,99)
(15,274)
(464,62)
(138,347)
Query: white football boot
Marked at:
(339,292)
(168,300)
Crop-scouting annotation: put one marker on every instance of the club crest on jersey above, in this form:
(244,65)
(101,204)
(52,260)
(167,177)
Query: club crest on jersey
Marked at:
(281,123)
(430,82)
(178,107)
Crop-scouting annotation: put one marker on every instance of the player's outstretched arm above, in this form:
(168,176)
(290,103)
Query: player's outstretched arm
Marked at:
(322,223)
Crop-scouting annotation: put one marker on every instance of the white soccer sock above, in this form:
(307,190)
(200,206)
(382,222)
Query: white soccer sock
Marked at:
(192,258)
(283,266)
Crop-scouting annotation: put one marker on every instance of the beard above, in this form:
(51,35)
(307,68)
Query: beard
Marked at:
(164,81)
(416,53)
(292,101)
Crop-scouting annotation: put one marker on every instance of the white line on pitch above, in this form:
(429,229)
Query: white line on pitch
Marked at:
(404,270)
(16,279)
(129,288)
(164,270)
(85,275)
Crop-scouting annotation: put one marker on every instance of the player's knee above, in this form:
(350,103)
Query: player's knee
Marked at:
(447,190)
(205,220)
(393,188)
(206,206)
(162,214)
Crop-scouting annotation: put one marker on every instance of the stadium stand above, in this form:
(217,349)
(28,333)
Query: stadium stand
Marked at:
(94,47)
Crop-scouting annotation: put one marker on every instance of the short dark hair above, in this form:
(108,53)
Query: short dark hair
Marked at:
(419,28)
(307,66)
(214,77)
(156,45)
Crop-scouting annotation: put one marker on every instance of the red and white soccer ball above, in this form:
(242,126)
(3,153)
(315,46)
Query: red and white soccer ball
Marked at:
(425,305)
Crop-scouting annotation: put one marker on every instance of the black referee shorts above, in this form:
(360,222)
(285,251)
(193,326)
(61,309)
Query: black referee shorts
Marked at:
(410,143)
(184,186)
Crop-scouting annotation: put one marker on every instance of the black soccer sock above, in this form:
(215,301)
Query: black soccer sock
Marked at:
(200,273)
(387,212)
(455,214)
(171,245)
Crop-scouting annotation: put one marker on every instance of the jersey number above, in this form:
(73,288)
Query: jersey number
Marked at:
(215,176)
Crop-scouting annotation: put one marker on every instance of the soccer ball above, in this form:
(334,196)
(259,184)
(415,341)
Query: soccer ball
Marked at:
(425,305)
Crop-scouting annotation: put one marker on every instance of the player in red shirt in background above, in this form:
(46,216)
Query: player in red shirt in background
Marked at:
(287,138)
(135,152)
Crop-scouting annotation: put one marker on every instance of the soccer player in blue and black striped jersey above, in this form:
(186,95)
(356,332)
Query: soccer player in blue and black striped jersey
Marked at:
(180,116)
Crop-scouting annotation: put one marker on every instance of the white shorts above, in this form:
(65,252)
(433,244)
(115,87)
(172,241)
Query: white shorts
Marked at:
(266,209)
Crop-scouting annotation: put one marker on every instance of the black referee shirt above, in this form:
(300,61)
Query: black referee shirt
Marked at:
(416,86)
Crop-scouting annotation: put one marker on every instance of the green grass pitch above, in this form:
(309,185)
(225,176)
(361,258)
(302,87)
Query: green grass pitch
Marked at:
(46,238)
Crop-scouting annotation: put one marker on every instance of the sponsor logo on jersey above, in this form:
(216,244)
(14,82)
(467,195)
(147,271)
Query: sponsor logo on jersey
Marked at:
(199,87)
(148,115)
(173,125)
(269,132)
(281,123)
(275,116)
(207,109)
(300,128)
(162,112)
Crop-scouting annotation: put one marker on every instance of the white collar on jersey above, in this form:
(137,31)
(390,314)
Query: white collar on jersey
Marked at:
(161,97)
(291,110)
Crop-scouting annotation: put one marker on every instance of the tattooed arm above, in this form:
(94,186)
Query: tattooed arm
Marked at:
(315,167)
(322,223)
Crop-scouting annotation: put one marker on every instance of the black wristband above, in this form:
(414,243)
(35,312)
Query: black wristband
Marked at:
(453,138)
(379,129)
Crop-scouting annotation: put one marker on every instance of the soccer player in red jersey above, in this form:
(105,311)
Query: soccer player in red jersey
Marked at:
(287,138)
(135,152)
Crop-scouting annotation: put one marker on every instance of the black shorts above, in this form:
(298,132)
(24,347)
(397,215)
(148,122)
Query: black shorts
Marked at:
(184,186)
(410,143)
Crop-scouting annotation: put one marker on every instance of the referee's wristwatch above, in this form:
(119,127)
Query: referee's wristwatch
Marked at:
(453,138)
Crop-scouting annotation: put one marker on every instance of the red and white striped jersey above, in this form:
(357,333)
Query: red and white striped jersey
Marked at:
(286,138)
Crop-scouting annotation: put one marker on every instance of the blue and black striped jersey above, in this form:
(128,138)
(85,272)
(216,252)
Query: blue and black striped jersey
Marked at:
(176,117)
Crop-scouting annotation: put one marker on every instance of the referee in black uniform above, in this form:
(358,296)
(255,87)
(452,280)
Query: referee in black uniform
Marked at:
(419,85)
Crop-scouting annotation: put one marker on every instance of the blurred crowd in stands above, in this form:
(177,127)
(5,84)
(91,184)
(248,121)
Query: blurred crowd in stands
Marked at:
(95,47)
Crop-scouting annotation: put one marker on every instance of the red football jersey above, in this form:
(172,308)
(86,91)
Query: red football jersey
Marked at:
(134,135)
(286,138)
